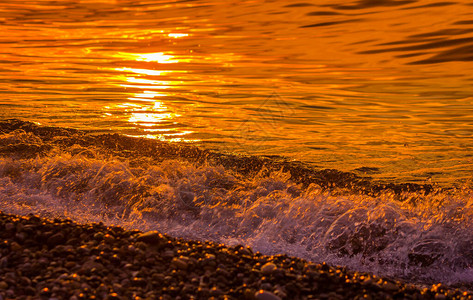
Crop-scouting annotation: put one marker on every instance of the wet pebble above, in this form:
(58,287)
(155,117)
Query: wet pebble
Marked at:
(55,240)
(150,237)
(3,285)
(181,263)
(9,226)
(265,295)
(389,286)
(268,268)
(15,246)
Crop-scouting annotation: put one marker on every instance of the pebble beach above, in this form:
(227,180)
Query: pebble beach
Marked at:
(59,259)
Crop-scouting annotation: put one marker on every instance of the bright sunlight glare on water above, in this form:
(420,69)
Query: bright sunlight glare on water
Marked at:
(382,89)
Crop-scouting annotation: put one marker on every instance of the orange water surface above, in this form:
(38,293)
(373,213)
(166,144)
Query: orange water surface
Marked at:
(380,88)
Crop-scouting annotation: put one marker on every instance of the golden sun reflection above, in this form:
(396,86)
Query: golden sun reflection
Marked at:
(142,76)
(148,119)
(149,72)
(159,57)
(150,84)
(145,110)
(173,58)
(147,96)
(178,35)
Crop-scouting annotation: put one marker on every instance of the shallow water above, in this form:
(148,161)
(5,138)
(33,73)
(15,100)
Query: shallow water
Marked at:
(382,88)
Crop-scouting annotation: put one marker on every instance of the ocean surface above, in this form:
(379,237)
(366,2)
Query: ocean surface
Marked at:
(337,131)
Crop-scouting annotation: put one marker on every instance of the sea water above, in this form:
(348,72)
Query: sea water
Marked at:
(423,236)
(377,89)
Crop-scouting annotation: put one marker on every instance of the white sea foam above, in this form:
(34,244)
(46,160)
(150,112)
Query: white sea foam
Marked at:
(426,240)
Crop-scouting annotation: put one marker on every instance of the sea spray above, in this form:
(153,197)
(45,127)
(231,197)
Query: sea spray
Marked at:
(426,240)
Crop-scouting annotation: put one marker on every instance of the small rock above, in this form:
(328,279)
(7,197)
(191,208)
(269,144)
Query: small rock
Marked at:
(210,256)
(265,295)
(9,226)
(3,262)
(266,286)
(138,281)
(98,236)
(278,291)
(203,292)
(109,239)
(113,296)
(249,294)
(168,254)
(141,245)
(15,246)
(215,292)
(440,296)
(268,268)
(181,262)
(246,251)
(3,285)
(368,282)
(45,292)
(158,277)
(55,240)
(223,272)
(150,237)
(391,287)
(29,290)
(90,266)
(73,241)
(20,236)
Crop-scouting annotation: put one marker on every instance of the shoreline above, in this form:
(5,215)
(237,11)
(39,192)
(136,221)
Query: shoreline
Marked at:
(28,142)
(60,259)
(126,147)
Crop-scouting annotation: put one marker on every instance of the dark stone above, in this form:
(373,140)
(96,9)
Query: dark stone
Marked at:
(265,295)
(151,237)
(113,296)
(55,240)
(139,282)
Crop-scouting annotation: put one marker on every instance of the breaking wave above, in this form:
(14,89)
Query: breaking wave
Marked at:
(422,234)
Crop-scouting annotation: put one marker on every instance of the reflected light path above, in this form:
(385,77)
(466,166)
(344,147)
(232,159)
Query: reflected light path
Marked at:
(145,110)
(342,86)
(158,57)
(150,107)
